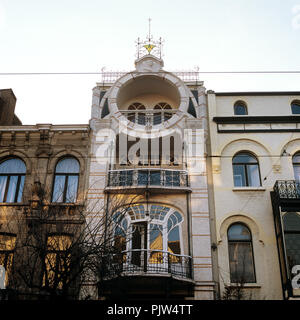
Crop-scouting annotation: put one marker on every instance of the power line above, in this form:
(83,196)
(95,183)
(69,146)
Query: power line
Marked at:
(195,72)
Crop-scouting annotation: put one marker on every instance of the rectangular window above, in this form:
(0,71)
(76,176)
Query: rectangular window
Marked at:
(57,261)
(7,246)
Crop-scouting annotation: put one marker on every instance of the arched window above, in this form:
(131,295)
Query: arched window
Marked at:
(12,177)
(296,166)
(156,232)
(162,113)
(241,261)
(137,117)
(66,180)
(240,108)
(245,170)
(295,105)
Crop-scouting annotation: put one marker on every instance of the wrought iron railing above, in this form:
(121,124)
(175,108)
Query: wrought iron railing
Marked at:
(148,117)
(287,189)
(148,177)
(144,261)
(112,76)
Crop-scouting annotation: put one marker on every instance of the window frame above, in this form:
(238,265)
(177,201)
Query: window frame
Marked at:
(296,164)
(66,175)
(240,103)
(60,255)
(245,165)
(7,183)
(6,253)
(229,242)
(295,103)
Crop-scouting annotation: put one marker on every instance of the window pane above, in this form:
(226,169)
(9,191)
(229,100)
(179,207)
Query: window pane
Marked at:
(58,190)
(297,172)
(292,243)
(241,263)
(155,178)
(13,166)
(239,175)
(240,110)
(296,158)
(174,241)
(295,108)
(156,243)
(21,187)
(3,180)
(142,177)
(72,189)
(141,118)
(291,221)
(239,232)
(244,158)
(11,193)
(253,175)
(157,118)
(67,165)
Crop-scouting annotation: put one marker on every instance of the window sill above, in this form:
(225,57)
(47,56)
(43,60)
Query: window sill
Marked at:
(249,189)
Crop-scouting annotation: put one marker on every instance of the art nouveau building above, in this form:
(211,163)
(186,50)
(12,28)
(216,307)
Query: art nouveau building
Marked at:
(144,126)
(254,158)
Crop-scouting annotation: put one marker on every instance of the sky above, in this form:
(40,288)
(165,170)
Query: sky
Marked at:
(86,36)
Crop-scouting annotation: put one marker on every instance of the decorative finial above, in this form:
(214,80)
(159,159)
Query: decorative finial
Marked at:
(149,45)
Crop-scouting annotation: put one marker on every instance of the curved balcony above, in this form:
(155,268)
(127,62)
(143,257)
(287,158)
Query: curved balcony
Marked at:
(155,179)
(142,262)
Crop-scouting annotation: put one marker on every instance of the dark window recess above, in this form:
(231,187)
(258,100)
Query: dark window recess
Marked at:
(291,223)
(240,109)
(295,107)
(105,110)
(102,93)
(195,94)
(191,109)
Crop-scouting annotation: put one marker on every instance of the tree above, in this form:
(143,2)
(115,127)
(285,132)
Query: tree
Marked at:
(60,247)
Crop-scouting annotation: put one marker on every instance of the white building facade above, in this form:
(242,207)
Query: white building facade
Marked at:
(149,131)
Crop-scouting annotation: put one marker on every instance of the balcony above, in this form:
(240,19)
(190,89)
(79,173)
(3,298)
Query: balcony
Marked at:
(155,179)
(287,189)
(144,262)
(148,118)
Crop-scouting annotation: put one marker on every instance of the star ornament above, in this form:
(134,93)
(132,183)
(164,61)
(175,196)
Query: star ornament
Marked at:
(149,47)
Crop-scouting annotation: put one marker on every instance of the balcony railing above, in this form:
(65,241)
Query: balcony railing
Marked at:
(287,189)
(148,117)
(148,178)
(143,261)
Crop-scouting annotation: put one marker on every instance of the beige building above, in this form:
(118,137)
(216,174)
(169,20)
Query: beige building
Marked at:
(35,158)
(253,154)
